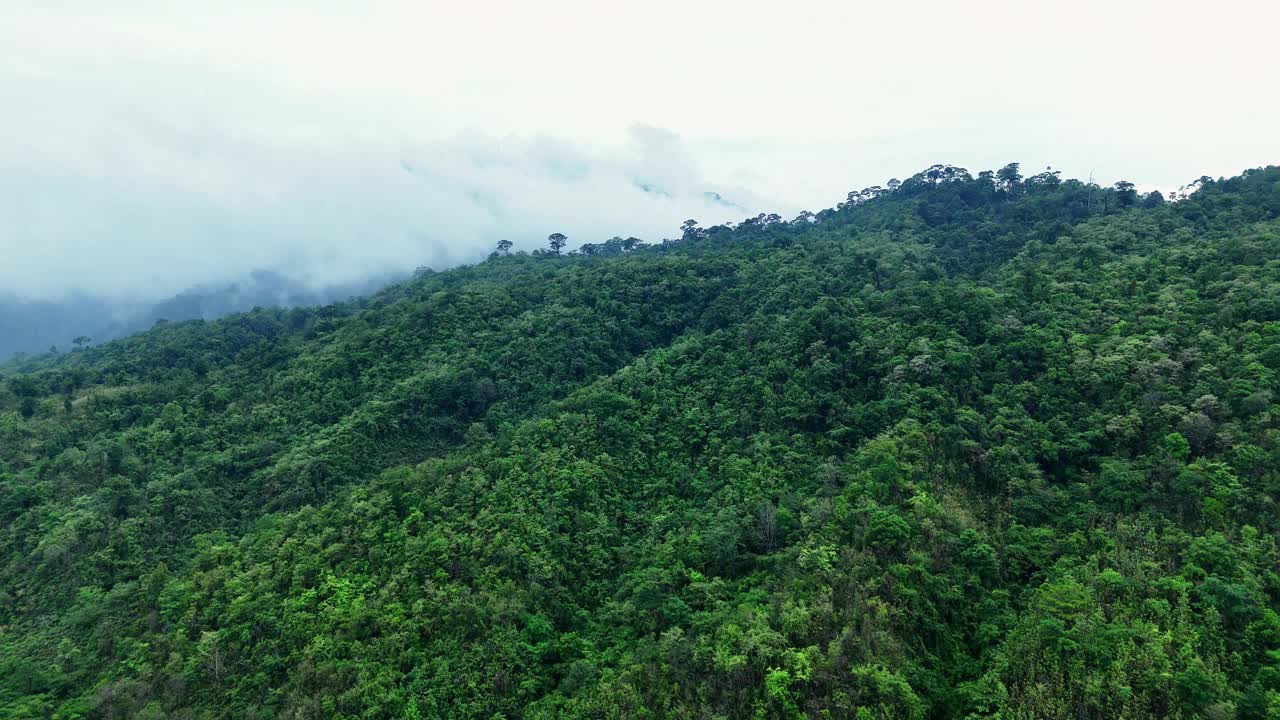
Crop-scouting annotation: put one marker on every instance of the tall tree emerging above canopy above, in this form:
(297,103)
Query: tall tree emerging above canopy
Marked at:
(1010,177)
(556,241)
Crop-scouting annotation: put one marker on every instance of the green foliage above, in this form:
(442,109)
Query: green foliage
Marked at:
(963,447)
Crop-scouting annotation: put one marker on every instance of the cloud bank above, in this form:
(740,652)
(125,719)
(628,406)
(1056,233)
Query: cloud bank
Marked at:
(149,145)
(163,210)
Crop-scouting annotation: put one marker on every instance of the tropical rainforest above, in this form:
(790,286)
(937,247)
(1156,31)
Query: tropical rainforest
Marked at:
(964,446)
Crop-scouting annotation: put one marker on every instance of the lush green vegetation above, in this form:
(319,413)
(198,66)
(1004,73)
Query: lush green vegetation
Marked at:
(963,447)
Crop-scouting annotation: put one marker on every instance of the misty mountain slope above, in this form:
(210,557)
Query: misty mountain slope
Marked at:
(35,326)
(969,447)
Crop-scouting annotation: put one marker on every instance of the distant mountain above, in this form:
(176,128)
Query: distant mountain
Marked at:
(37,326)
(710,196)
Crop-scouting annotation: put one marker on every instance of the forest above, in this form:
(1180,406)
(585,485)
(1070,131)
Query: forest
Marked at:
(964,446)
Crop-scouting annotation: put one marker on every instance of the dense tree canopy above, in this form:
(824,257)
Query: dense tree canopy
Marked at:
(985,446)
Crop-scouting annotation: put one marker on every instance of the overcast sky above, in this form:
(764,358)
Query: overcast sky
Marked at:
(146,145)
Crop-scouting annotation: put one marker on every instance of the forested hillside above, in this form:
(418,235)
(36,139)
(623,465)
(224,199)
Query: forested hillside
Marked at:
(963,447)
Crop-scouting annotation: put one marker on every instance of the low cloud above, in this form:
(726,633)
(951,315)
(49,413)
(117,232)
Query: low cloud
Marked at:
(161,209)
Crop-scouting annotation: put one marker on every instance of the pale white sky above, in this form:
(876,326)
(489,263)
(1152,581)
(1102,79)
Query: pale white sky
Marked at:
(149,144)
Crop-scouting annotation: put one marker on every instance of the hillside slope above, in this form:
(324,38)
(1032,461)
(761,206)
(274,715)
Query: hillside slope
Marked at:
(962,447)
